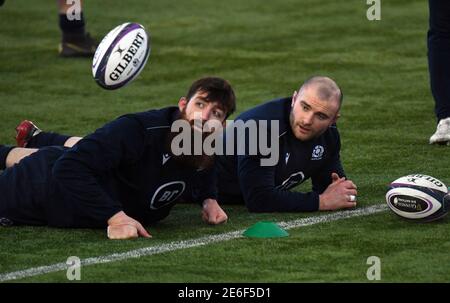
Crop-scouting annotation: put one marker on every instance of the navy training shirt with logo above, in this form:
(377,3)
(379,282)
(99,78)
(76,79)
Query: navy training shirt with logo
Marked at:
(125,165)
(267,188)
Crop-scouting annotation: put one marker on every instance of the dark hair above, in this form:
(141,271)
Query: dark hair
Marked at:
(218,90)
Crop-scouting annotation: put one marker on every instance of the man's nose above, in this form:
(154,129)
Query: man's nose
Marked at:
(308,118)
(206,113)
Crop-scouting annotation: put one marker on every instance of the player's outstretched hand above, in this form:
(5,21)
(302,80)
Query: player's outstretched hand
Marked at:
(121,226)
(341,193)
(212,213)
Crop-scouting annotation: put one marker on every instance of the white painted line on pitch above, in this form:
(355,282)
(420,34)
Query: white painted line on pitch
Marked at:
(173,246)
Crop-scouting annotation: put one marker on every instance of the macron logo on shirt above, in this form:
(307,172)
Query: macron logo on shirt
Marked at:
(287,157)
(165,158)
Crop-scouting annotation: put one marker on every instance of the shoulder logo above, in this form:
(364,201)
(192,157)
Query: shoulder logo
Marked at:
(165,158)
(317,152)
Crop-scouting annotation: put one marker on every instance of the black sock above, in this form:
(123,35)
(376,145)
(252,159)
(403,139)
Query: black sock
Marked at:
(73,30)
(47,139)
(4,151)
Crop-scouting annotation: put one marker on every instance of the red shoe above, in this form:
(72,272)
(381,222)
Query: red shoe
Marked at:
(25,131)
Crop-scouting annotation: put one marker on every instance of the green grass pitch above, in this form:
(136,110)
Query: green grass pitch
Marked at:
(265,49)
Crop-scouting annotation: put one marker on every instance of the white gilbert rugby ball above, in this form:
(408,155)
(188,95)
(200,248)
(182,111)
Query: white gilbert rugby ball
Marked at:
(418,197)
(121,55)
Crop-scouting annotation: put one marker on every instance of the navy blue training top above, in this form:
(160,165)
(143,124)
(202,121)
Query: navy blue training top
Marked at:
(124,165)
(266,188)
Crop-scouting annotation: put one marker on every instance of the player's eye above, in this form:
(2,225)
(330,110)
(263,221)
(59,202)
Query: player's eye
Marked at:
(200,105)
(218,114)
(322,117)
(305,108)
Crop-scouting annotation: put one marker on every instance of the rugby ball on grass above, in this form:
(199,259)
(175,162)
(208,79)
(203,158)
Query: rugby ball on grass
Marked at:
(121,55)
(418,197)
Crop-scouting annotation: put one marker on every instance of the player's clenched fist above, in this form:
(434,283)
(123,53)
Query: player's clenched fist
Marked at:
(121,226)
(212,213)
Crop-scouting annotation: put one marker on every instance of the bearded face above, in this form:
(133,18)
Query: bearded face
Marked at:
(191,158)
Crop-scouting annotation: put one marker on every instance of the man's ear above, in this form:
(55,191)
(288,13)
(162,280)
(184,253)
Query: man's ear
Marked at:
(294,96)
(182,103)
(338,115)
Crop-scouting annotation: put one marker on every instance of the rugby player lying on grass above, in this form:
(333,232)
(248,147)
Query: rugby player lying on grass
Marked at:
(308,147)
(118,177)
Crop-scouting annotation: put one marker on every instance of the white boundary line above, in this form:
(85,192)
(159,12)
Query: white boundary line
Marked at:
(173,246)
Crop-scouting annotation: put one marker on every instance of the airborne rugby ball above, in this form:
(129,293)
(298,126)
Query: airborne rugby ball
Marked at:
(418,197)
(121,55)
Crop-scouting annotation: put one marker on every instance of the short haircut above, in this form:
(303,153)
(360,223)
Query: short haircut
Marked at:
(217,90)
(326,88)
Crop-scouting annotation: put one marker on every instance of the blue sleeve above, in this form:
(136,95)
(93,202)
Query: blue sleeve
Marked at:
(261,195)
(77,172)
(204,186)
(322,180)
